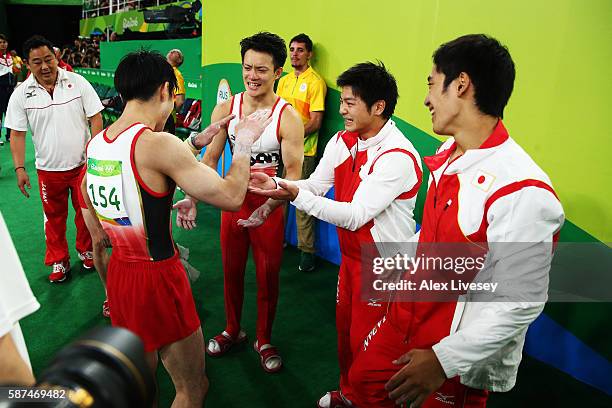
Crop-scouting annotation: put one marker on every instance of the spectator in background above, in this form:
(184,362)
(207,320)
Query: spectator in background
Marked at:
(175,59)
(60,62)
(78,46)
(65,54)
(6,81)
(59,132)
(74,60)
(17,63)
(84,53)
(305,90)
(85,60)
(19,68)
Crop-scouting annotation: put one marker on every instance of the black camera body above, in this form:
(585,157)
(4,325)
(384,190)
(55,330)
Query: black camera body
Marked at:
(106,368)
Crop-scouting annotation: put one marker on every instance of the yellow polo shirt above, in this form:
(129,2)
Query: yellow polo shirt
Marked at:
(180,81)
(306,93)
(180,90)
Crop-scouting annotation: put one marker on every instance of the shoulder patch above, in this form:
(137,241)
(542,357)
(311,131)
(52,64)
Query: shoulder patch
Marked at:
(483,180)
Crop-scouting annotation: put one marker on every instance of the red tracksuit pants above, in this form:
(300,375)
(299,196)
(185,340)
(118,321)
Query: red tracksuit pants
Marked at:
(54,188)
(354,318)
(266,242)
(373,367)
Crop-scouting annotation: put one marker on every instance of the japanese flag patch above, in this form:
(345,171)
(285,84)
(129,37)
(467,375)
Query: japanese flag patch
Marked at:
(483,180)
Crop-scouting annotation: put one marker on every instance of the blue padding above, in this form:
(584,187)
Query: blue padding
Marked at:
(326,237)
(553,344)
(228,159)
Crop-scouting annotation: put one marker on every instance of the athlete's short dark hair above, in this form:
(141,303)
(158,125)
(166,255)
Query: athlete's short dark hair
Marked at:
(36,41)
(141,73)
(487,62)
(371,82)
(268,43)
(3,37)
(302,38)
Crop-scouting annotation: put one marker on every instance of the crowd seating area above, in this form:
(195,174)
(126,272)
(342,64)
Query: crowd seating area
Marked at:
(83,53)
(95,8)
(188,119)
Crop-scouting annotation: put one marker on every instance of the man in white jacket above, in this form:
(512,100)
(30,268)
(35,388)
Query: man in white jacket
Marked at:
(484,191)
(376,174)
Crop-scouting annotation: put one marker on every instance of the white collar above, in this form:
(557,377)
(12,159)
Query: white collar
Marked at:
(380,136)
(61,76)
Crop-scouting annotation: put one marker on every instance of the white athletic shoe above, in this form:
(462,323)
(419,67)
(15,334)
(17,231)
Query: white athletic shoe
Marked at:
(334,399)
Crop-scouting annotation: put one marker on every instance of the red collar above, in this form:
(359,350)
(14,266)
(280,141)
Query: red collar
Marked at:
(499,136)
(349,138)
(436,161)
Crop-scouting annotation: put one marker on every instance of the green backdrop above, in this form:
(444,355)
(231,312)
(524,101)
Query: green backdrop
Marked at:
(112,52)
(561,49)
(557,112)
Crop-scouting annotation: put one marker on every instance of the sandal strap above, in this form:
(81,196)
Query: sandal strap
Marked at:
(264,347)
(268,353)
(225,341)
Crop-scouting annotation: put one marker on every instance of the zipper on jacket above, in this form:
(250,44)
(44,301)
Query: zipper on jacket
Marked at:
(438,216)
(409,328)
(356,152)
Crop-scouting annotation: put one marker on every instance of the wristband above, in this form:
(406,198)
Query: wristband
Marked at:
(19,167)
(191,147)
(192,140)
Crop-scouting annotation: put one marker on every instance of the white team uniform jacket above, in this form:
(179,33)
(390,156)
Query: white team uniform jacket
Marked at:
(378,187)
(495,195)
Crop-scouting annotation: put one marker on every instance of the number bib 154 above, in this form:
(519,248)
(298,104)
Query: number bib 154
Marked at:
(105,188)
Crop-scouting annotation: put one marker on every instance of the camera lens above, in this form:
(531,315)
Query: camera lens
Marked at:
(104,368)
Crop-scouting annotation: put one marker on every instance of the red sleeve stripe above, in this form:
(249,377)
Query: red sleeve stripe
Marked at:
(135,170)
(275,103)
(231,112)
(240,109)
(415,189)
(280,114)
(514,187)
(504,191)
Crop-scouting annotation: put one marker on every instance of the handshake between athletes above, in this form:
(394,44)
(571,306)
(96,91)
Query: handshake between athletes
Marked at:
(273,187)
